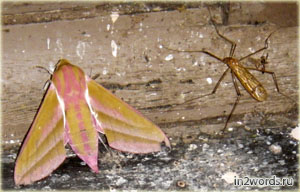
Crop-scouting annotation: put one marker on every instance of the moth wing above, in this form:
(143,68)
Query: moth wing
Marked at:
(125,128)
(43,149)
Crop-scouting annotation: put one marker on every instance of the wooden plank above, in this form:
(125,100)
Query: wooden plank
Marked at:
(143,75)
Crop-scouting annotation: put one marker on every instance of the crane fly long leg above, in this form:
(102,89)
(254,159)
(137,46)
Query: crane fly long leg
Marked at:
(274,79)
(259,50)
(213,91)
(195,51)
(236,101)
(233,44)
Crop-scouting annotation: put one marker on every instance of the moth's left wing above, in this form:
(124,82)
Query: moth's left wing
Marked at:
(43,149)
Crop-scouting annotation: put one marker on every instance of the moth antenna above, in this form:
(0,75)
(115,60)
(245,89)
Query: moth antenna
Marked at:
(44,68)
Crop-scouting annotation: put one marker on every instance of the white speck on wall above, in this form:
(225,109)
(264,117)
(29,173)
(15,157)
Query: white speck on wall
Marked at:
(202,62)
(209,80)
(80,49)
(195,63)
(201,35)
(107,27)
(180,69)
(160,46)
(114,47)
(48,43)
(23,51)
(296,133)
(153,94)
(121,74)
(251,50)
(105,71)
(59,45)
(239,122)
(169,57)
(229,177)
(114,16)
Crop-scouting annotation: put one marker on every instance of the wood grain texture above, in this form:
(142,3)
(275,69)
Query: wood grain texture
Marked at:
(143,77)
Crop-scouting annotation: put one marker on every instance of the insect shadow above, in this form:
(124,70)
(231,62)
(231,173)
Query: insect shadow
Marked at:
(238,71)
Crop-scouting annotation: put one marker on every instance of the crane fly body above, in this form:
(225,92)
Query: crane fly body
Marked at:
(238,71)
(249,82)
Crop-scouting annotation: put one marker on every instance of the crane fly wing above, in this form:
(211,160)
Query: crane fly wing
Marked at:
(43,148)
(250,83)
(126,129)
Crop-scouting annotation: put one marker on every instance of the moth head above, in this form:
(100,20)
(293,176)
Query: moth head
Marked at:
(61,63)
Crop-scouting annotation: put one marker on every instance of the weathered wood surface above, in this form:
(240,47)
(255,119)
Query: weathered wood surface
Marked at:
(142,76)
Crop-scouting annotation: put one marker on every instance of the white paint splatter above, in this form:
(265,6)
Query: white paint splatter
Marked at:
(80,49)
(180,69)
(48,43)
(209,80)
(153,94)
(169,57)
(105,71)
(258,38)
(195,63)
(251,49)
(114,16)
(108,27)
(59,45)
(114,47)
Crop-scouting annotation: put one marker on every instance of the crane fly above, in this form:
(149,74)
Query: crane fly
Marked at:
(238,71)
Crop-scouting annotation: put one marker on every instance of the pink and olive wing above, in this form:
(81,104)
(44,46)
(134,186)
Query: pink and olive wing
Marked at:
(43,148)
(125,128)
